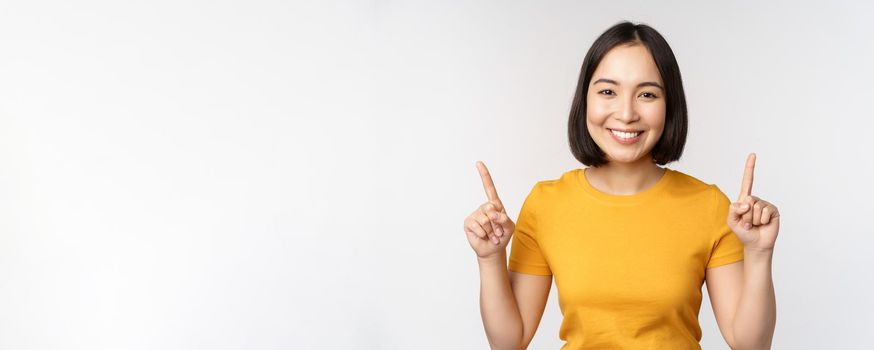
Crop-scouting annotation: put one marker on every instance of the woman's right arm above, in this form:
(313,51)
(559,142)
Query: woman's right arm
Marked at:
(511,304)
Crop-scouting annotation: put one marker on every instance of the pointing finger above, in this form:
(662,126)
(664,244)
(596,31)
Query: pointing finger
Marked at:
(746,186)
(488,184)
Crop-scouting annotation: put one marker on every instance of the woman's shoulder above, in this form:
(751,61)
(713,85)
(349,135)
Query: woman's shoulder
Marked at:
(685,184)
(558,184)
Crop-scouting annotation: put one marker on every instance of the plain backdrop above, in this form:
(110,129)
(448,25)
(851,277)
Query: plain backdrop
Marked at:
(281,175)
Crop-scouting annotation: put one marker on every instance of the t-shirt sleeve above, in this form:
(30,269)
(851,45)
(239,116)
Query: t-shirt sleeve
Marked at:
(726,248)
(525,254)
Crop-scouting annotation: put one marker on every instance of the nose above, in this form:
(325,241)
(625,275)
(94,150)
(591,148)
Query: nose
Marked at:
(626,112)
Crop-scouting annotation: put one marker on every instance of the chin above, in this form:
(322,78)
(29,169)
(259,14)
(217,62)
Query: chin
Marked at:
(624,159)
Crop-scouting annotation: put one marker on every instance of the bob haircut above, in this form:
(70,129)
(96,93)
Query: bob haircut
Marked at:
(670,146)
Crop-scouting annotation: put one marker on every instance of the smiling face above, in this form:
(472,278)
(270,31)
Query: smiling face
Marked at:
(625,104)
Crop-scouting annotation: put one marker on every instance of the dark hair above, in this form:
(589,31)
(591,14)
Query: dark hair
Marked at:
(670,145)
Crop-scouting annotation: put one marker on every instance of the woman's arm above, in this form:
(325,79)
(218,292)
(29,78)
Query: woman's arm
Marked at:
(742,296)
(756,314)
(756,223)
(511,304)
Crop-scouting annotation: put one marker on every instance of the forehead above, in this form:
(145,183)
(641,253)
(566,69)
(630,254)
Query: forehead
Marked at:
(628,63)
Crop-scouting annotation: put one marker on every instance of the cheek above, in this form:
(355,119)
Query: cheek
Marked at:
(596,113)
(654,116)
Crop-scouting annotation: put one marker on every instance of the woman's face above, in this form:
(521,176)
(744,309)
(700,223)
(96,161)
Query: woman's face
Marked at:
(625,111)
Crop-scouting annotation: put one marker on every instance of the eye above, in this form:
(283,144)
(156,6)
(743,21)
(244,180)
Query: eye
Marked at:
(606,92)
(648,95)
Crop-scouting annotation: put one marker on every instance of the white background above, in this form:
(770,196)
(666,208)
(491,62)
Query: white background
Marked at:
(275,175)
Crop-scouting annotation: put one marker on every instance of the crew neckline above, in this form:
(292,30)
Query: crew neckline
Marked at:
(628,199)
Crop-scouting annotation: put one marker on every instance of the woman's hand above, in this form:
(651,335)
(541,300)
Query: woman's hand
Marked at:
(488,228)
(755,221)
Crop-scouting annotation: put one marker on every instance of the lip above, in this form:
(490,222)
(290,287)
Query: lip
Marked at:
(625,130)
(626,141)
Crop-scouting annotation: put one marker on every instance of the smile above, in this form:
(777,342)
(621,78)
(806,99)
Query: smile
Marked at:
(626,137)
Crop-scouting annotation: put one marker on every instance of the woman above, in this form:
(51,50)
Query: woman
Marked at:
(628,241)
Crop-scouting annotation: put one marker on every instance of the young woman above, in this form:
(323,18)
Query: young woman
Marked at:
(628,241)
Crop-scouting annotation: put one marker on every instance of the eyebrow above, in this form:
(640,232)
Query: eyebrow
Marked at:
(646,83)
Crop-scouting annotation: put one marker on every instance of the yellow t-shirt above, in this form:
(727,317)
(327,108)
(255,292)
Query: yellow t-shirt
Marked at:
(628,269)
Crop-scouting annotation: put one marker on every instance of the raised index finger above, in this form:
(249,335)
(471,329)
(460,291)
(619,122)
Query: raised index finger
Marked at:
(746,187)
(489,186)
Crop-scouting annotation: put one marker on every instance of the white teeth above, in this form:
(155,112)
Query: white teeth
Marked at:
(625,135)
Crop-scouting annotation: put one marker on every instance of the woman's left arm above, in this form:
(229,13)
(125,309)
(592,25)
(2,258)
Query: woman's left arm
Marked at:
(756,223)
(756,315)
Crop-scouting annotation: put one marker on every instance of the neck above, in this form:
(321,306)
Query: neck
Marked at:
(625,178)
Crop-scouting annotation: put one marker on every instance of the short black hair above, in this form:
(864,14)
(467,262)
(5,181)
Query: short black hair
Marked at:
(670,146)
